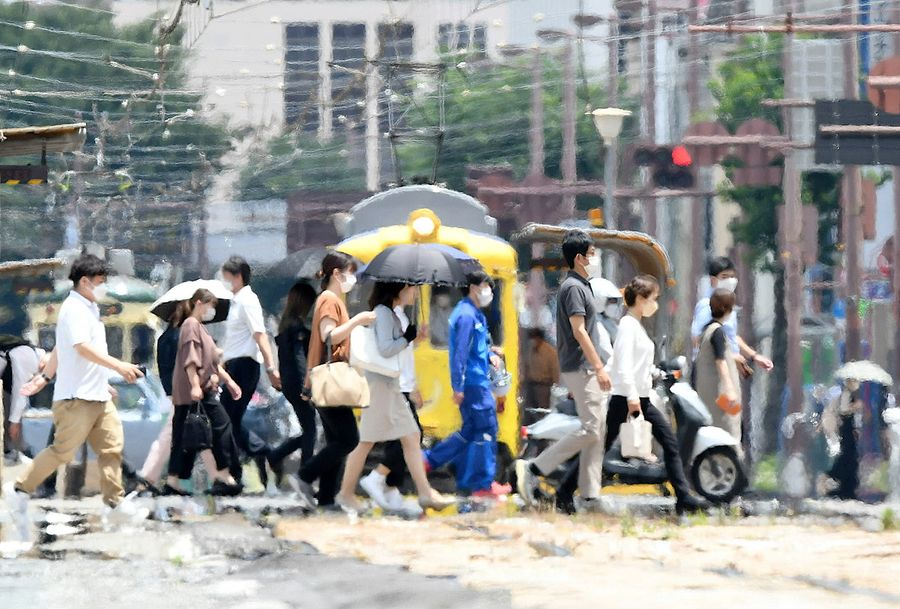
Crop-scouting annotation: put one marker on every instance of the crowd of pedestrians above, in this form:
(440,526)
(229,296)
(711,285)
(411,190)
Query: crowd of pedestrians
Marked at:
(606,364)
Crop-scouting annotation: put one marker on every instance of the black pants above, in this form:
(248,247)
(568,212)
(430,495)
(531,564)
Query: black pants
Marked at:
(341,437)
(662,432)
(306,441)
(245,372)
(393,453)
(224,448)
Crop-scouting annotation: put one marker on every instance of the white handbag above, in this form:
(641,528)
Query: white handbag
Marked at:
(364,353)
(636,436)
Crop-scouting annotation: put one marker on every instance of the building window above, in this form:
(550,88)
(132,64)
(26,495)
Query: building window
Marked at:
(462,38)
(395,44)
(348,73)
(301,76)
(479,41)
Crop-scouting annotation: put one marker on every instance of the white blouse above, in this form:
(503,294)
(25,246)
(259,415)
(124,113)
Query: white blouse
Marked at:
(632,361)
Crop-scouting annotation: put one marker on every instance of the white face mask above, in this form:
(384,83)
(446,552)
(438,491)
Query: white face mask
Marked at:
(729,284)
(347,283)
(228,285)
(209,314)
(485,297)
(100,291)
(651,308)
(592,268)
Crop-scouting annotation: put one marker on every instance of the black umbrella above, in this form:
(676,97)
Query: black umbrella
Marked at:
(416,264)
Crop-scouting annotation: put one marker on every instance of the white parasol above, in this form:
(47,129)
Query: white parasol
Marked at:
(864,371)
(166,304)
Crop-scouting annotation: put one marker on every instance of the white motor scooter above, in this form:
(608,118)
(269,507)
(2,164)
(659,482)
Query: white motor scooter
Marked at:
(710,454)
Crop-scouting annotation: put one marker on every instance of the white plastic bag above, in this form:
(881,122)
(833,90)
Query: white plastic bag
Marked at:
(636,436)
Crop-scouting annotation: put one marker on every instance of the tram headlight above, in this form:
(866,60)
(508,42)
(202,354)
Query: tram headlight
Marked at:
(423,226)
(423,223)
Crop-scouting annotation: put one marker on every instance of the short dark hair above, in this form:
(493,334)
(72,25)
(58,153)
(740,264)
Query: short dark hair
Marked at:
(721,303)
(575,242)
(476,278)
(719,265)
(87,265)
(238,266)
(642,285)
(384,293)
(335,261)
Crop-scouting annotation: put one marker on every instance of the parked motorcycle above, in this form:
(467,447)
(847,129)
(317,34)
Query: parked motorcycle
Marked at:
(710,454)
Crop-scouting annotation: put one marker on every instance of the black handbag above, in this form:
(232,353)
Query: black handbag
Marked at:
(197,434)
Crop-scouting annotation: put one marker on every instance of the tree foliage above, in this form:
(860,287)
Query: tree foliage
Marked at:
(488,109)
(148,138)
(296,161)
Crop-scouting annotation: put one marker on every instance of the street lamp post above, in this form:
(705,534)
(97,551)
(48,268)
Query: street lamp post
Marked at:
(608,122)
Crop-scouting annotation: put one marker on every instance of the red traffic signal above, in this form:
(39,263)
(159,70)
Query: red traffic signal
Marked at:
(681,157)
(672,166)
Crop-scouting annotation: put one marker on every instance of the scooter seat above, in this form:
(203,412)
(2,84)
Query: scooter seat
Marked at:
(633,471)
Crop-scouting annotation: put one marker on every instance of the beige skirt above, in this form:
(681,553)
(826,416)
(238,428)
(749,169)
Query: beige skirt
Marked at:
(388,416)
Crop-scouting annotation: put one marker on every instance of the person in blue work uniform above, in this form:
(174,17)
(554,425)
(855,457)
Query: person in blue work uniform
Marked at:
(473,448)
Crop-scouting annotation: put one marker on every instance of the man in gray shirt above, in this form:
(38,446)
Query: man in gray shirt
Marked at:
(584,374)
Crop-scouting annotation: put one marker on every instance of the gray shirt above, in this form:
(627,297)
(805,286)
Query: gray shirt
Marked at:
(575,297)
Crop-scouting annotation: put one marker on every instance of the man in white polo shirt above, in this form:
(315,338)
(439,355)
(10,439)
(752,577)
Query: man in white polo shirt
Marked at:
(83,410)
(246,347)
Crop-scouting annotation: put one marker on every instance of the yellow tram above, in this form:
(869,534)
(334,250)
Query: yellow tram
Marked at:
(429,214)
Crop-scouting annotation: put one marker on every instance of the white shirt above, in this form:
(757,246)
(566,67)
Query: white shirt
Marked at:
(702,317)
(24,361)
(245,318)
(407,357)
(76,377)
(632,362)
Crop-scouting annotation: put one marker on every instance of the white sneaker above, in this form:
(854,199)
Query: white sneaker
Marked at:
(17,502)
(128,512)
(394,500)
(373,485)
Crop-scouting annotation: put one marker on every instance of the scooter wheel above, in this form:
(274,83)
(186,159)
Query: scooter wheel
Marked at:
(717,474)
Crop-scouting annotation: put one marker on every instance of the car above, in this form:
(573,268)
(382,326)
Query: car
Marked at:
(140,407)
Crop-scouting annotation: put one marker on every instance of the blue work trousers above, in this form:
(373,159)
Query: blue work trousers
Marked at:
(473,448)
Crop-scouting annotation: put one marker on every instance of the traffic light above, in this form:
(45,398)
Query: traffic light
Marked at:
(672,167)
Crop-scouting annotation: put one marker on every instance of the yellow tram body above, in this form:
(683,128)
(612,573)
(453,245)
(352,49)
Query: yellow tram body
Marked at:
(440,415)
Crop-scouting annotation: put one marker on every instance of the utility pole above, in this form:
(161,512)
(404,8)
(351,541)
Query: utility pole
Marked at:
(896,257)
(569,170)
(649,100)
(373,129)
(792,233)
(613,77)
(698,217)
(851,203)
(536,135)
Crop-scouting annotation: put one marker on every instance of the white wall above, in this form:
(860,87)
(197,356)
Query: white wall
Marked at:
(255,230)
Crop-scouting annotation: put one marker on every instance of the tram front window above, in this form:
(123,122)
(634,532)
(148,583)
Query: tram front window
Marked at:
(443,301)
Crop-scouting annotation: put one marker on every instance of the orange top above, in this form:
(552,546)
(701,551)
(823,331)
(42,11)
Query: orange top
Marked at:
(328,306)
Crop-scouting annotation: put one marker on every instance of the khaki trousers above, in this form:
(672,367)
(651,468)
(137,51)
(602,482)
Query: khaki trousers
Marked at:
(77,422)
(590,403)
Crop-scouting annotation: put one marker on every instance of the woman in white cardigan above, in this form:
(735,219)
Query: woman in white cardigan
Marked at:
(632,381)
(389,416)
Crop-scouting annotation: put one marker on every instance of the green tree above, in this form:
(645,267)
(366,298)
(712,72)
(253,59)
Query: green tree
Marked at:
(487,109)
(296,161)
(150,146)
